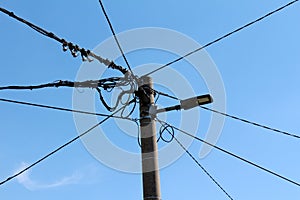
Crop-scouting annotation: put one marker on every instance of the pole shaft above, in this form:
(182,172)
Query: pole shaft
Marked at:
(151,181)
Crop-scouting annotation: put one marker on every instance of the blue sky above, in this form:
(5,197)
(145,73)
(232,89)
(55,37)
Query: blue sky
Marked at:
(259,67)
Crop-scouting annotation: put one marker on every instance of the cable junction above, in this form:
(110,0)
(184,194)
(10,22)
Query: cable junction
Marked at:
(107,84)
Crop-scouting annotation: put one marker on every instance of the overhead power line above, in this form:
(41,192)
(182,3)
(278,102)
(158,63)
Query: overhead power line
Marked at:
(223,37)
(115,36)
(73,48)
(64,109)
(252,123)
(203,169)
(59,148)
(107,83)
(191,156)
(234,155)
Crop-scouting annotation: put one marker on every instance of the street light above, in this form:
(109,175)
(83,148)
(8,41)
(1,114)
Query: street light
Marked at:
(189,103)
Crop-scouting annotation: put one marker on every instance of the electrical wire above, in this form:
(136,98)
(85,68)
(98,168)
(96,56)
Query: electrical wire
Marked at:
(234,155)
(223,37)
(252,123)
(164,94)
(64,109)
(73,48)
(58,149)
(203,169)
(107,83)
(191,156)
(33,26)
(115,37)
(164,128)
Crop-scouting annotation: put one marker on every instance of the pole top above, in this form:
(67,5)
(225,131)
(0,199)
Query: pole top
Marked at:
(145,80)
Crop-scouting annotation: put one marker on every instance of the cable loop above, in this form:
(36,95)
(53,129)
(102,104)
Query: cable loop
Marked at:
(132,109)
(163,129)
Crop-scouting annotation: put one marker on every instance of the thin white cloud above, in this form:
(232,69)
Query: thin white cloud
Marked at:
(25,180)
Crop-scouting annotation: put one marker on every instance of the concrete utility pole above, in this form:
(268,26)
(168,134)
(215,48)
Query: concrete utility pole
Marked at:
(151,181)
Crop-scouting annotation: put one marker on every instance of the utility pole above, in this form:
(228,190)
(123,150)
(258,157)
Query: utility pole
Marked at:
(151,181)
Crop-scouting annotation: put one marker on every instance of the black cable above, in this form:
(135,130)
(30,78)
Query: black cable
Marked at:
(165,94)
(165,127)
(73,48)
(64,109)
(234,155)
(106,83)
(119,100)
(110,109)
(203,169)
(222,37)
(115,37)
(59,148)
(134,102)
(252,123)
(31,25)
